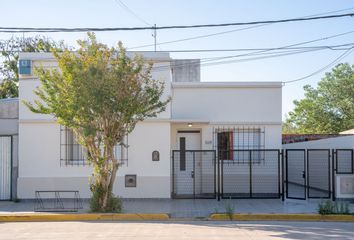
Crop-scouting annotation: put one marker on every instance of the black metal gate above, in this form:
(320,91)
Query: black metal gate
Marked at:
(194,174)
(318,173)
(308,173)
(295,173)
(249,173)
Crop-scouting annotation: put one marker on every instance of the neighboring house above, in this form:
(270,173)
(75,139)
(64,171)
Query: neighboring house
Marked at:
(221,116)
(8,148)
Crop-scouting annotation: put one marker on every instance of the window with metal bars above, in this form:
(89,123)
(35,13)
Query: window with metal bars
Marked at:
(233,143)
(73,154)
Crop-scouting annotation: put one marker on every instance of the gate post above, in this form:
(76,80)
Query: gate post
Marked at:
(218,174)
(282,175)
(250,163)
(173,174)
(334,153)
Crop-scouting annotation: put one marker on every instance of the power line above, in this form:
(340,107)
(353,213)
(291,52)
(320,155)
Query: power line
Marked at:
(291,45)
(203,60)
(200,36)
(230,31)
(21,29)
(343,55)
(214,62)
(330,47)
(124,6)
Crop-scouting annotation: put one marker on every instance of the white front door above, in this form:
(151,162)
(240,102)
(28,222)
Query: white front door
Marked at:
(186,163)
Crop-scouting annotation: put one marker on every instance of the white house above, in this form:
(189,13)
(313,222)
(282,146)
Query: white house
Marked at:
(217,116)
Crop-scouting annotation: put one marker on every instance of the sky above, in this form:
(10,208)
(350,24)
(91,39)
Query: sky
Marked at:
(112,13)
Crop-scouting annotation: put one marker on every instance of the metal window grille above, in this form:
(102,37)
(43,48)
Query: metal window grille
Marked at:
(228,139)
(73,154)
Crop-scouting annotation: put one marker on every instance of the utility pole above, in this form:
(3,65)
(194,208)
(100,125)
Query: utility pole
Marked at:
(154,35)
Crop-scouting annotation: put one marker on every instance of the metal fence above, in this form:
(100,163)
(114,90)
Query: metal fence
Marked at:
(5,167)
(259,173)
(250,174)
(194,174)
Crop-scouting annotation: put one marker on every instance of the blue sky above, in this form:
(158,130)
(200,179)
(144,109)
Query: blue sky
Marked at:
(109,13)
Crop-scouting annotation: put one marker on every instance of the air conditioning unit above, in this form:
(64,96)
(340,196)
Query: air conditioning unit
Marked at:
(25,67)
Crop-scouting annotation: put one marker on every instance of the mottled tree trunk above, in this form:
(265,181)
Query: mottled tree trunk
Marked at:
(107,176)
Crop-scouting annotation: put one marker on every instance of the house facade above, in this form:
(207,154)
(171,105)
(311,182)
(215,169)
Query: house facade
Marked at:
(167,156)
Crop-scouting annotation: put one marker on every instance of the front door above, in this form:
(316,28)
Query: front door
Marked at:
(186,164)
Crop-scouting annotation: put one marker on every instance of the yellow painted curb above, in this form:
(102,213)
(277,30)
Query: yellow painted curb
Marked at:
(83,217)
(283,217)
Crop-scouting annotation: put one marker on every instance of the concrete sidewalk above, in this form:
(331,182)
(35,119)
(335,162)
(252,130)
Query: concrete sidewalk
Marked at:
(183,208)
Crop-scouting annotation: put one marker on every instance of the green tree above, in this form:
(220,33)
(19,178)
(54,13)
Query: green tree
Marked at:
(101,94)
(9,54)
(329,108)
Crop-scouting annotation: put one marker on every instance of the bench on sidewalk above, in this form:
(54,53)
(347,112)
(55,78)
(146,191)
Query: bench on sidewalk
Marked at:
(58,201)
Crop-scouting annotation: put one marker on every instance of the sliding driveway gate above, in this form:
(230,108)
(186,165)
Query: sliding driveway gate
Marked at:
(261,173)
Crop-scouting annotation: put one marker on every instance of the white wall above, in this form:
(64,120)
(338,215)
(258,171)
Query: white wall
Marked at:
(232,103)
(40,167)
(335,142)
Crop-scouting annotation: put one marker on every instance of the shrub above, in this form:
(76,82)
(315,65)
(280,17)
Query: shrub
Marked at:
(114,204)
(329,207)
(326,207)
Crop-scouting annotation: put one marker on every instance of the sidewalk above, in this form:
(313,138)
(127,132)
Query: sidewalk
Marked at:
(189,208)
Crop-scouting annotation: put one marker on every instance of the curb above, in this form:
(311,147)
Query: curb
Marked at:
(283,217)
(30,217)
(84,217)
